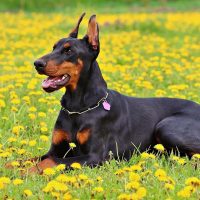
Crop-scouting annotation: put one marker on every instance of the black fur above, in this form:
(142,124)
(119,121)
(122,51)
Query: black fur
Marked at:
(131,123)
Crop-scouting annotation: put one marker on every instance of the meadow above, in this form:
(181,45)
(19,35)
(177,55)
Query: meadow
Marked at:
(142,54)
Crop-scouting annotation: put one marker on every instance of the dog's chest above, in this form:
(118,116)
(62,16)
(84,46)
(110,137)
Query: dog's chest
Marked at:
(80,137)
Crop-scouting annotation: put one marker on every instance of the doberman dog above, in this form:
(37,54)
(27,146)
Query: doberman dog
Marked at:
(99,120)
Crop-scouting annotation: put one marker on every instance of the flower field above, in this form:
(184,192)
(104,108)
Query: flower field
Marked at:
(142,54)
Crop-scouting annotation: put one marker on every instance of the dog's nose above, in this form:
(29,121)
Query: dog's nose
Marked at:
(40,65)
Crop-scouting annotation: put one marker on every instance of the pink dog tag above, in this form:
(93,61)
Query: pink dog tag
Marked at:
(106,105)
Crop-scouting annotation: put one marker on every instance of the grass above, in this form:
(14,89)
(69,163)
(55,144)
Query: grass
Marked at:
(142,54)
(103,6)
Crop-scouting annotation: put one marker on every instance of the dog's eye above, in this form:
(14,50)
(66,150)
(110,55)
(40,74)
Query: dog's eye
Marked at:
(67,51)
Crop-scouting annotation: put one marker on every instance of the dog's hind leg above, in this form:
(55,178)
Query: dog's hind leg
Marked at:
(179,132)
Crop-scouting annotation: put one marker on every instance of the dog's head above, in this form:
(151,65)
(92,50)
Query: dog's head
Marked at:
(69,58)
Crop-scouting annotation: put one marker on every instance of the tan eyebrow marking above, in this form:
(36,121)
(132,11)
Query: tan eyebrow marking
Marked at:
(66,45)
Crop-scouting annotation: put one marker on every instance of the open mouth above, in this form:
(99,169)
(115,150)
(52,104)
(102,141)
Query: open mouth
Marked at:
(51,83)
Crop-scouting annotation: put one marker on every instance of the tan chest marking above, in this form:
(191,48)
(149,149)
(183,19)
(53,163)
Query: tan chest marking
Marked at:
(83,136)
(60,136)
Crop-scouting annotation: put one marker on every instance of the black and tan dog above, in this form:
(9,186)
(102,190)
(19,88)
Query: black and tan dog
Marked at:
(99,120)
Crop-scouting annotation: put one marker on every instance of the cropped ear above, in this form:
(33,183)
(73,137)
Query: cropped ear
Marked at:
(93,33)
(74,32)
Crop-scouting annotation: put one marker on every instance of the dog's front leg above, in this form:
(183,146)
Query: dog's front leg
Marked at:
(89,160)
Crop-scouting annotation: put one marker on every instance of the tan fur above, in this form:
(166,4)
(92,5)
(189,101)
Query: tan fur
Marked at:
(83,136)
(59,136)
(66,67)
(41,166)
(93,33)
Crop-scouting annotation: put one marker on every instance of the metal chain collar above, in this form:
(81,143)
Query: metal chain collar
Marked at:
(89,109)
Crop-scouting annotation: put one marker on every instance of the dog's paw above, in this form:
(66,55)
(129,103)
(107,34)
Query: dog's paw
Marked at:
(34,170)
(9,165)
(41,166)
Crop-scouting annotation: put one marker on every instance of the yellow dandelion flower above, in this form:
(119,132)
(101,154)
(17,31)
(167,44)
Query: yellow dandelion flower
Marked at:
(186,191)
(169,186)
(82,177)
(42,114)
(97,190)
(72,145)
(181,161)
(50,186)
(124,196)
(17,129)
(156,165)
(49,171)
(4,180)
(60,167)
(89,182)
(28,163)
(26,99)
(44,138)
(15,164)
(23,142)
(146,155)
(15,101)
(141,192)
(145,173)
(67,196)
(193,181)
(44,129)
(28,193)
(11,139)
(160,173)
(196,156)
(132,185)
(55,194)
(119,172)
(17,181)
(99,179)
(32,143)
(43,124)
(159,147)
(5,118)
(71,180)
(1,186)
(2,103)
(60,187)
(21,151)
(174,158)
(134,177)
(76,165)
(5,154)
(32,109)
(135,168)
(126,169)
(32,116)
(14,109)
(62,178)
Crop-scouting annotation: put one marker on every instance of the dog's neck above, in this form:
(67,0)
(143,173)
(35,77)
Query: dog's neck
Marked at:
(90,89)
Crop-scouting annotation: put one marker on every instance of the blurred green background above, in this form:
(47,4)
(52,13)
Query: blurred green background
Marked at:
(103,6)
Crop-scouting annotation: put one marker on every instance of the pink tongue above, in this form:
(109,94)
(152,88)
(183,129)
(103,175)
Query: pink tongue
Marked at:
(49,82)
(46,83)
